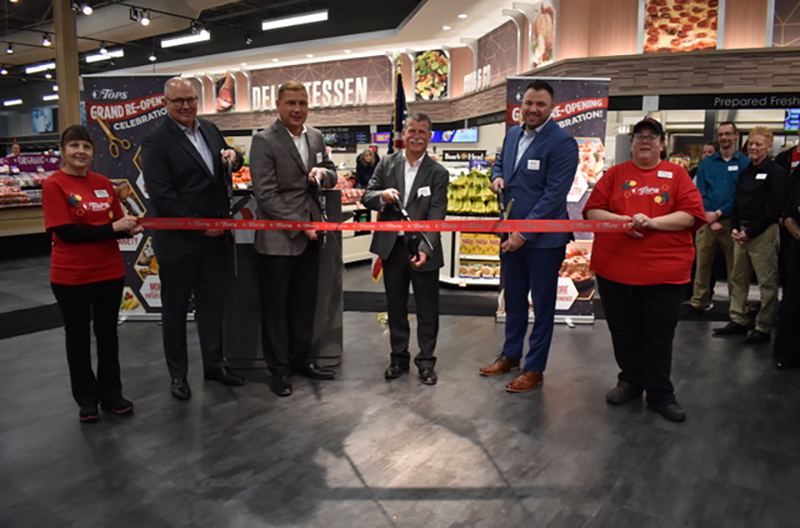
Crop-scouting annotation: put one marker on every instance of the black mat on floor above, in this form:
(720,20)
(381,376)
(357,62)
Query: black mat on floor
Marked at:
(30,320)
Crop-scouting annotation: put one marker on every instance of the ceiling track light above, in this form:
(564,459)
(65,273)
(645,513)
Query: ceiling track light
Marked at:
(139,15)
(86,9)
(10,49)
(46,40)
(3,71)
(196,27)
(145,18)
(103,49)
(248,39)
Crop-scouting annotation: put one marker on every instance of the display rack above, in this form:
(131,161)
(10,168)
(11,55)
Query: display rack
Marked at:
(470,259)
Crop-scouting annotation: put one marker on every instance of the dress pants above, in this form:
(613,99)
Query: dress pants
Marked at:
(760,255)
(202,272)
(288,294)
(397,275)
(787,338)
(707,242)
(642,321)
(534,270)
(80,304)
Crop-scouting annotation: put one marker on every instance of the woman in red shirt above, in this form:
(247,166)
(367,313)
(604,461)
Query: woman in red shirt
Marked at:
(642,274)
(87,275)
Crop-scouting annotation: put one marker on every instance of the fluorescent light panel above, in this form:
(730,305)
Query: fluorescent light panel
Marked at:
(275,23)
(50,97)
(12,102)
(41,67)
(105,56)
(186,39)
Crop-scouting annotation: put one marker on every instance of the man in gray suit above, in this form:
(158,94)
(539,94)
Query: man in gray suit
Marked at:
(411,180)
(289,164)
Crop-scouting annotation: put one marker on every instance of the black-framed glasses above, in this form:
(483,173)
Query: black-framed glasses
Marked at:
(191,101)
(646,137)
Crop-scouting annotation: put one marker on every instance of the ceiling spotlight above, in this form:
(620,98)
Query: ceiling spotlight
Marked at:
(145,18)
(48,75)
(10,49)
(248,39)
(86,9)
(348,51)
(46,40)
(152,57)
(103,49)
(196,27)
(310,56)
(55,87)
(242,64)
(463,15)
(275,60)
(446,28)
(3,71)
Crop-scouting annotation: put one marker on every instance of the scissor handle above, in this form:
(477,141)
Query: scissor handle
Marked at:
(125,144)
(113,149)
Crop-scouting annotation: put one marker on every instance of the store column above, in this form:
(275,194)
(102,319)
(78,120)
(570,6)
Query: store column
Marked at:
(69,105)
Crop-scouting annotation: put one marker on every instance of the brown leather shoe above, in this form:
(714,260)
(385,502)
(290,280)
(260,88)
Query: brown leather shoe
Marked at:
(527,381)
(501,365)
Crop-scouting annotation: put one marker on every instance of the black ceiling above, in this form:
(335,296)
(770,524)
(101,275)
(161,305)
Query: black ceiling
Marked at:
(229,24)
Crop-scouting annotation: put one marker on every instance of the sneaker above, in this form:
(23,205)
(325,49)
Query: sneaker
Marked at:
(88,413)
(119,406)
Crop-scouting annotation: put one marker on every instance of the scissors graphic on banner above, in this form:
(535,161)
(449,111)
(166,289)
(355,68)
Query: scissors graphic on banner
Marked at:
(113,148)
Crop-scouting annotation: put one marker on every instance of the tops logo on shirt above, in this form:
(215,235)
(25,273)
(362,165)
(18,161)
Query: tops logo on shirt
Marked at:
(662,195)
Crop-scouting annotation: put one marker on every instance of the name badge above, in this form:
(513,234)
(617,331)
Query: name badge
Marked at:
(319,157)
(533,164)
(424,191)
(101,193)
(665,174)
(761,176)
(733,168)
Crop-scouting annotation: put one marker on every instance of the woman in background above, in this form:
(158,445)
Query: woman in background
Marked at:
(87,274)
(365,166)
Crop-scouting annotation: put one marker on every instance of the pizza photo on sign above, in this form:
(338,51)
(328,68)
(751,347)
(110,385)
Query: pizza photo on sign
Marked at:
(680,25)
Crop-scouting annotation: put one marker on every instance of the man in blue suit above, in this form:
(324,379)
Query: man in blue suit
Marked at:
(535,169)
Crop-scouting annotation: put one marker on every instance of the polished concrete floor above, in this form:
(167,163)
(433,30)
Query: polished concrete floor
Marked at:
(363,452)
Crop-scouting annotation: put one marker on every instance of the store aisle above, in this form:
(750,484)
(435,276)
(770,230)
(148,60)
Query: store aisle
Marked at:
(363,452)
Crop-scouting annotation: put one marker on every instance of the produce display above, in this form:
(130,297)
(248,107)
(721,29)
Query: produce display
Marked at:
(469,194)
(241,179)
(430,74)
(22,189)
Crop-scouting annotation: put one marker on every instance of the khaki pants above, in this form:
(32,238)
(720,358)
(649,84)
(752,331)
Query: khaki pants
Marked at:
(706,242)
(759,255)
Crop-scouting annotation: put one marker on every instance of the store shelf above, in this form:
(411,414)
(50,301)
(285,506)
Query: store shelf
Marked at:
(484,258)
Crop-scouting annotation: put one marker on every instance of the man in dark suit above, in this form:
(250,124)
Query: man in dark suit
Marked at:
(183,169)
(289,164)
(412,180)
(536,169)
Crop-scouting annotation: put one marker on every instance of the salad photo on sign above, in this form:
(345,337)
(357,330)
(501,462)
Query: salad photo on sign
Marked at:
(431,75)
(680,25)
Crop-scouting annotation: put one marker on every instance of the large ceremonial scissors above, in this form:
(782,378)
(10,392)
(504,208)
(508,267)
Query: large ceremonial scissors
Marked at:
(113,148)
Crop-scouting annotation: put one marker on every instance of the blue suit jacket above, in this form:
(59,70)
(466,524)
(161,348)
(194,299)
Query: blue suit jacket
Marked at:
(539,193)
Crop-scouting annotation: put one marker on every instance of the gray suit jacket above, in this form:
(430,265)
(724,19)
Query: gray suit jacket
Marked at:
(281,188)
(390,173)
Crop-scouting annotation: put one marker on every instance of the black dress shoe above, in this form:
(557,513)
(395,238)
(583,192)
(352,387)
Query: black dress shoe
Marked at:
(395,370)
(225,376)
(623,393)
(281,384)
(314,371)
(428,376)
(730,329)
(670,410)
(180,389)
(756,337)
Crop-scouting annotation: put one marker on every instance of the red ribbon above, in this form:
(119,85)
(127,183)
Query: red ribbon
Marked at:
(473,226)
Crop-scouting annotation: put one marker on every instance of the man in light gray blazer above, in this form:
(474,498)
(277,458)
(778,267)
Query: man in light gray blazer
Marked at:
(413,180)
(289,164)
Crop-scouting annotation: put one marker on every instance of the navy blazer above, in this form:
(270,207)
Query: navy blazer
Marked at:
(539,184)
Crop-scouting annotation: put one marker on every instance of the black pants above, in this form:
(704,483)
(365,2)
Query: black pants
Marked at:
(642,321)
(288,293)
(201,272)
(98,301)
(787,338)
(397,275)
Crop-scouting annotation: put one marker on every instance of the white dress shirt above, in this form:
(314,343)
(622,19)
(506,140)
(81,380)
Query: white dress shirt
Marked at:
(301,142)
(410,172)
(196,138)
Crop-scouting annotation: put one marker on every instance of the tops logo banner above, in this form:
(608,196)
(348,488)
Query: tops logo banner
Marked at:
(106,94)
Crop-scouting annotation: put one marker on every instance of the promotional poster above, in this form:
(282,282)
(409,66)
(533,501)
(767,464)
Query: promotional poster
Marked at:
(580,108)
(119,112)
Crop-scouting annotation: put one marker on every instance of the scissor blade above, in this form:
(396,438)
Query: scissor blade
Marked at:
(507,212)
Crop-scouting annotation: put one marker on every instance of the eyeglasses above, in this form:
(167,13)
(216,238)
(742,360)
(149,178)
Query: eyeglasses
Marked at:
(646,137)
(191,101)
